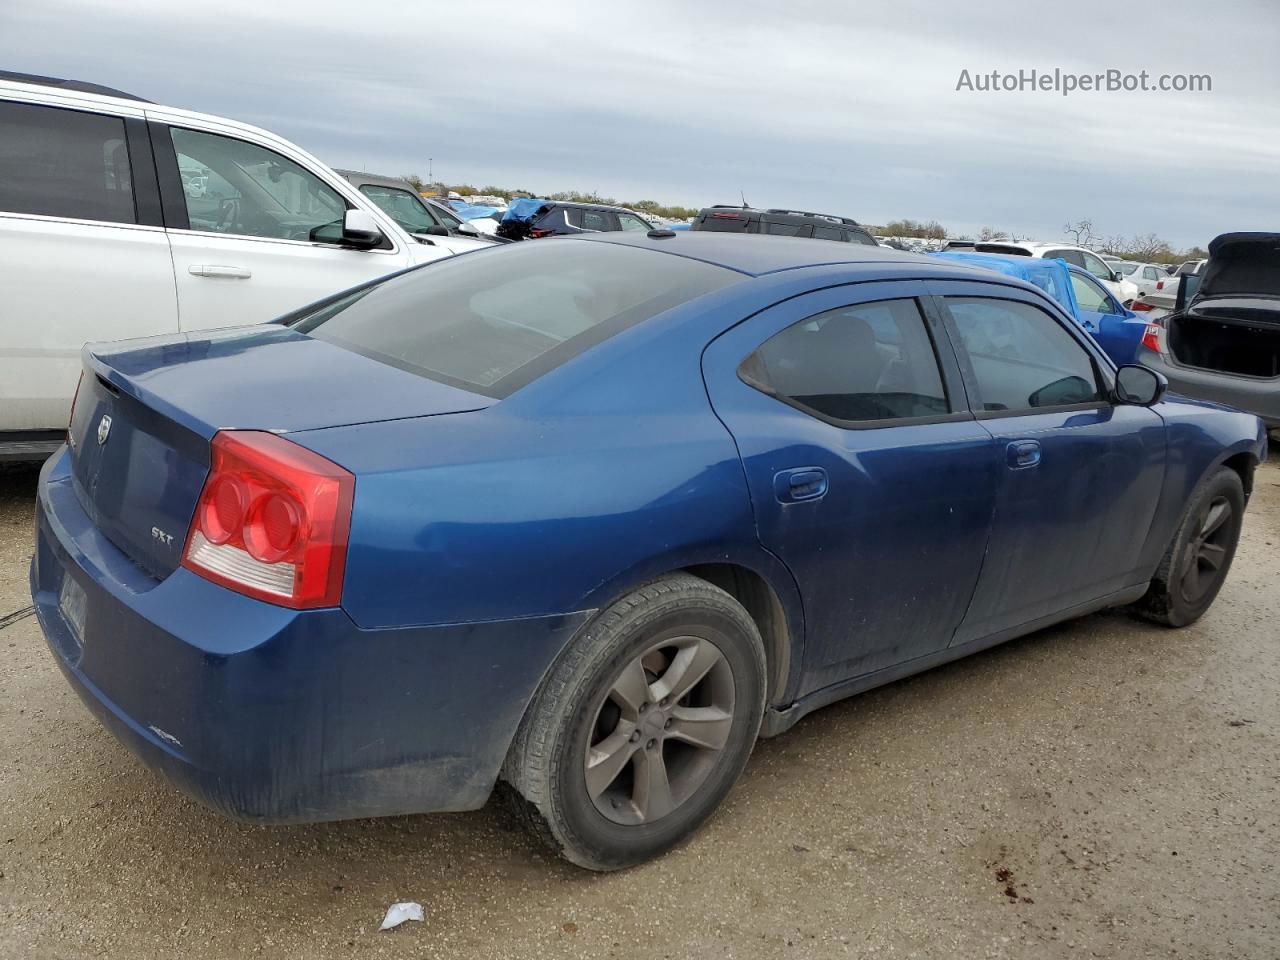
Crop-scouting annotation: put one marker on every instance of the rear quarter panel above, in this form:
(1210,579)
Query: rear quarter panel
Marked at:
(1202,436)
(609,471)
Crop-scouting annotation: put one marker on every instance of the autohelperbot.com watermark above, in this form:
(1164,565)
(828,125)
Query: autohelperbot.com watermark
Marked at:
(1066,83)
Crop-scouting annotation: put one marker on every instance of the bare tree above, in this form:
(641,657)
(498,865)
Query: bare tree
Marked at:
(1082,232)
(991,233)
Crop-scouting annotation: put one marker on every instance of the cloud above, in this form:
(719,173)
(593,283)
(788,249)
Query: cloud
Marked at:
(848,108)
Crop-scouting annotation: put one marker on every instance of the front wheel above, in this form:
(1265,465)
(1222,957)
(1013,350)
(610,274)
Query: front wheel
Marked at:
(1196,563)
(643,725)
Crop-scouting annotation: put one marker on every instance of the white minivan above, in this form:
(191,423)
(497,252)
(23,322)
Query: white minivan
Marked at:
(120,218)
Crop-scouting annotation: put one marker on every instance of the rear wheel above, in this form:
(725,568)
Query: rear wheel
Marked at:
(1196,563)
(643,725)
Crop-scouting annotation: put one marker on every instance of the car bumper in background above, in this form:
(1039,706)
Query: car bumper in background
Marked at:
(277,715)
(1256,396)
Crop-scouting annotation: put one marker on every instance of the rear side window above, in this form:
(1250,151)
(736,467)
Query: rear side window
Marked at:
(785,229)
(64,163)
(828,233)
(858,364)
(1022,358)
(724,223)
(495,320)
(587,219)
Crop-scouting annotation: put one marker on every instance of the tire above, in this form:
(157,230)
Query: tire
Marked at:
(1169,600)
(594,709)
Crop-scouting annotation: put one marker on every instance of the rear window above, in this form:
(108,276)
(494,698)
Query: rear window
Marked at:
(495,320)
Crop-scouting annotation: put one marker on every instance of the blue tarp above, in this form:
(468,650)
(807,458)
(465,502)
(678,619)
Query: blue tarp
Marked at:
(469,211)
(523,209)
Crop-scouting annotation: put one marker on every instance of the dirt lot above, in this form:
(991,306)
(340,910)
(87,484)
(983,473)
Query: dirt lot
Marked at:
(1105,788)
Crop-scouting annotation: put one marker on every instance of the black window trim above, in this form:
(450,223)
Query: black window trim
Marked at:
(1101,372)
(957,400)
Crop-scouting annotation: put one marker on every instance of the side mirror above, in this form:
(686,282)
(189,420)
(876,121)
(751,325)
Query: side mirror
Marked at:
(360,230)
(468,229)
(1139,385)
(435,230)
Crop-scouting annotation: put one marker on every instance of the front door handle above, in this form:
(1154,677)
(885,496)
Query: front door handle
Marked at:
(216,270)
(1023,453)
(800,483)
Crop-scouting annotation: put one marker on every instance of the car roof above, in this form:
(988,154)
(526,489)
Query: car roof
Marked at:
(758,254)
(590,206)
(71,86)
(359,177)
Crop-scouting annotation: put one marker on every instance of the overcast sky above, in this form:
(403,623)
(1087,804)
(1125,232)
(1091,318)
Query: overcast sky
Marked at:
(842,107)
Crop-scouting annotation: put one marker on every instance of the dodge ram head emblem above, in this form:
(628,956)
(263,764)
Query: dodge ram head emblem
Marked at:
(104,428)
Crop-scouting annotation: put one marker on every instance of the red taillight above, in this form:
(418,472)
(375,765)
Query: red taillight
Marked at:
(726,216)
(272,521)
(1151,337)
(1159,284)
(1139,307)
(72,418)
(539,232)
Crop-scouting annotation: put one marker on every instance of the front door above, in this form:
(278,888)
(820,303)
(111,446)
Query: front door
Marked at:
(868,476)
(1080,476)
(246,254)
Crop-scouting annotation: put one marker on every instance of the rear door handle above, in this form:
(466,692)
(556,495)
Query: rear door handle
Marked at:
(1023,453)
(800,483)
(216,270)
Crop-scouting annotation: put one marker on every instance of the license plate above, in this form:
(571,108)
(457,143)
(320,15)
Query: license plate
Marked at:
(72,601)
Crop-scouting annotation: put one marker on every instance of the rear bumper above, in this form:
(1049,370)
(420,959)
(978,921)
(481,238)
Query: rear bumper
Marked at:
(1259,397)
(275,715)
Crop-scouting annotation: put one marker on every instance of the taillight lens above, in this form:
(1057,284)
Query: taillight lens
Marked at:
(1151,337)
(272,521)
(539,232)
(1139,306)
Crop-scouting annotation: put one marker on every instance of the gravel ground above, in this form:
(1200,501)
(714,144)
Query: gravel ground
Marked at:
(1105,788)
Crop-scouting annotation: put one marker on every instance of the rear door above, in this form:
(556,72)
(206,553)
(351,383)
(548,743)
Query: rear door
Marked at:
(83,255)
(240,219)
(868,476)
(1079,476)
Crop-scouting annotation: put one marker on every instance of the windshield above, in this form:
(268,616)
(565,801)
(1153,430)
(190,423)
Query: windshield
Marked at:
(402,206)
(495,320)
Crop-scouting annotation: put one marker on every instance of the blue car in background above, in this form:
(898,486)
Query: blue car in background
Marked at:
(1119,331)
(588,517)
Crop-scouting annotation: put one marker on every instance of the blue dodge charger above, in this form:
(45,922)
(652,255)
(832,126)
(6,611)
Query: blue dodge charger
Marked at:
(585,518)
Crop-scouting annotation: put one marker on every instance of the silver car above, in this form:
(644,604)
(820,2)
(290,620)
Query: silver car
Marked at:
(1222,341)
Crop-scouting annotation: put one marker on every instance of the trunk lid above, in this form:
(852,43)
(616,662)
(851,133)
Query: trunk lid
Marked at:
(1245,265)
(147,410)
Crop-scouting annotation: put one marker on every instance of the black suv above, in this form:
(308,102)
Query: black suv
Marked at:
(723,218)
(556,218)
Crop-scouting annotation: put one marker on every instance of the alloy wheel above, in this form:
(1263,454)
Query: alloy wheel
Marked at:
(1206,551)
(659,730)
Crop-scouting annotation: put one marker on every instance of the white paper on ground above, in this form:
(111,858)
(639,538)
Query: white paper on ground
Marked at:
(398,913)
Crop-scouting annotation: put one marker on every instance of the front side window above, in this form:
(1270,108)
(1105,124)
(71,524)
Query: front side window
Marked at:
(401,206)
(235,187)
(630,222)
(1090,295)
(1022,358)
(493,321)
(595,220)
(445,216)
(64,163)
(1096,265)
(869,362)
(783,229)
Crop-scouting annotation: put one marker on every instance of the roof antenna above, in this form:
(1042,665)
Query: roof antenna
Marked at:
(743,194)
